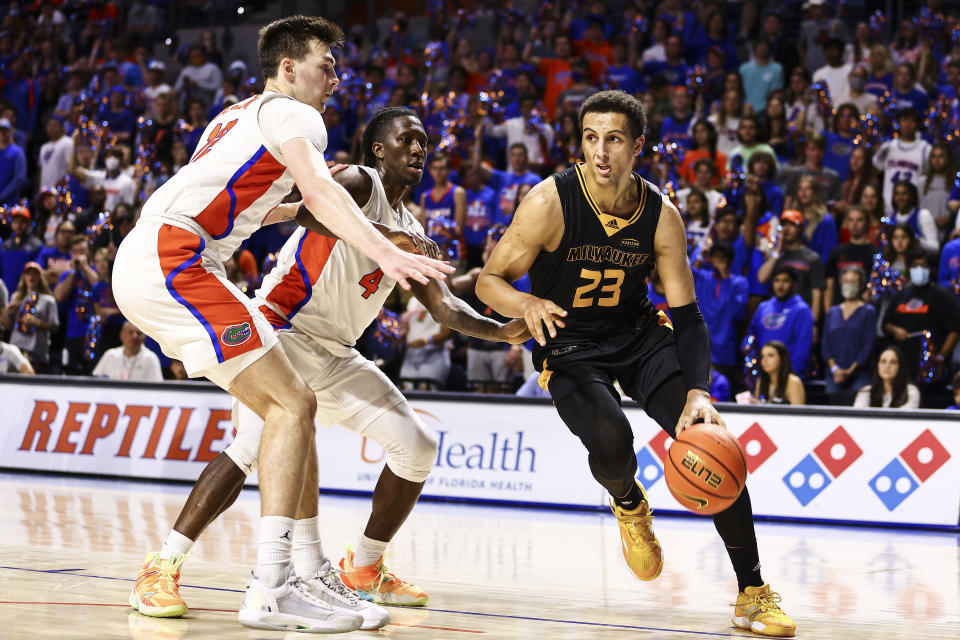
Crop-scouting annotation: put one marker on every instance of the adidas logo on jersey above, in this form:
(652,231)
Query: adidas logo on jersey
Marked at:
(612,224)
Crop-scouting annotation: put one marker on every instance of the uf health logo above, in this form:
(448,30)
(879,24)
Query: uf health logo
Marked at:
(836,453)
(650,459)
(894,483)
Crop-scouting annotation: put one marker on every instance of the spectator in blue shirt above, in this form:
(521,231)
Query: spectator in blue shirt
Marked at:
(674,69)
(77,290)
(621,74)
(840,141)
(119,118)
(57,259)
(948,273)
(955,385)
(13,165)
(722,296)
(785,317)
(481,212)
(505,183)
(19,249)
(905,93)
(848,332)
(761,76)
(676,127)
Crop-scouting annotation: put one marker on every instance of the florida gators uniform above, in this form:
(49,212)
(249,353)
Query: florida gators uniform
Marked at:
(321,296)
(169,278)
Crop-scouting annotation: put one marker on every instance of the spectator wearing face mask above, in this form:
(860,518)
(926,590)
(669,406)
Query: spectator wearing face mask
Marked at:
(118,185)
(923,305)
(858,253)
(848,333)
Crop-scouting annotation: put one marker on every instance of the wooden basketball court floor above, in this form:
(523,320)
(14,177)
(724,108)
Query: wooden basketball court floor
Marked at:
(69,549)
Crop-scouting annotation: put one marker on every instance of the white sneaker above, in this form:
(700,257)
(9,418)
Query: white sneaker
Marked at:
(291,607)
(326,585)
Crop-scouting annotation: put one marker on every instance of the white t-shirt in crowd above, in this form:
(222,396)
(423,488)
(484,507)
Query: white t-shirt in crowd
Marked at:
(114,364)
(54,157)
(515,129)
(837,82)
(119,188)
(421,324)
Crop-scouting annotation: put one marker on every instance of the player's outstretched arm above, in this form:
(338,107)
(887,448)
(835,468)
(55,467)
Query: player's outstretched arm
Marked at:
(451,311)
(537,225)
(332,205)
(692,337)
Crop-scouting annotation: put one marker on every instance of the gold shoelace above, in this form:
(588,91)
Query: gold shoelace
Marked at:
(767,601)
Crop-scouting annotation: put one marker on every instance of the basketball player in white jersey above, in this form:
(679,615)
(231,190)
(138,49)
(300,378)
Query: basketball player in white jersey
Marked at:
(321,296)
(903,158)
(170,281)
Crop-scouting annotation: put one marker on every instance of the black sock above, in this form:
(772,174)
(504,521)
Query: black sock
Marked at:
(630,501)
(746,563)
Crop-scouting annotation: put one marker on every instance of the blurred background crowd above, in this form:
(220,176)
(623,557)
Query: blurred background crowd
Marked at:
(811,148)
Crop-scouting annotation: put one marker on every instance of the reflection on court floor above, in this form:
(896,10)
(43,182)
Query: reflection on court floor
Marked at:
(70,547)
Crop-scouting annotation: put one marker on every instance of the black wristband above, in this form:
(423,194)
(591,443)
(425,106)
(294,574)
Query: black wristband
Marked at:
(693,345)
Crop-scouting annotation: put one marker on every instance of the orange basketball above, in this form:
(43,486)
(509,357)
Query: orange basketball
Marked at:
(706,468)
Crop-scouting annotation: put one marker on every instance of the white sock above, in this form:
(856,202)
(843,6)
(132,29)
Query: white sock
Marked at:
(273,550)
(176,544)
(368,551)
(307,550)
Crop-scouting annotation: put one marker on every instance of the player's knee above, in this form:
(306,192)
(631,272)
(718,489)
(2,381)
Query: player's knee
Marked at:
(244,452)
(414,458)
(297,409)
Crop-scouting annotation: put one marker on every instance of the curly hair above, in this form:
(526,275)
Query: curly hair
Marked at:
(376,129)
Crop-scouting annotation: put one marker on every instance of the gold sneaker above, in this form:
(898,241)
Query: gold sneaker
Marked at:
(640,546)
(758,610)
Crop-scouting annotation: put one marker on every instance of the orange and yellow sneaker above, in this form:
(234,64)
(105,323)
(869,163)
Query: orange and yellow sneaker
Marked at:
(156,591)
(378,584)
(758,610)
(640,546)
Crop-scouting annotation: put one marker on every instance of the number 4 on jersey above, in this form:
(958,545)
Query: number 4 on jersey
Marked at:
(218,132)
(370,283)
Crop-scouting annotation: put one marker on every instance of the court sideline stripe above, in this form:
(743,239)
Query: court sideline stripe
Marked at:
(467,613)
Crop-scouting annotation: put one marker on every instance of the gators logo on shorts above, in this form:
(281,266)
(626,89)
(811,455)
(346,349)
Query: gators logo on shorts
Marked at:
(236,334)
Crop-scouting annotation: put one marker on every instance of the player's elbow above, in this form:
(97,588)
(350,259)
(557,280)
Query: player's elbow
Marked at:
(484,286)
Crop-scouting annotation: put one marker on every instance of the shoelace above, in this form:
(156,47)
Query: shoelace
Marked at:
(641,527)
(385,575)
(767,601)
(166,575)
(331,580)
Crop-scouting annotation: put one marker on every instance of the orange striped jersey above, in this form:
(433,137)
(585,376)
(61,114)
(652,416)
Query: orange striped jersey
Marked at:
(237,174)
(326,289)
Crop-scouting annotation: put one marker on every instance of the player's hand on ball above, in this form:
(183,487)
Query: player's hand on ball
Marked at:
(540,313)
(698,409)
(412,242)
(516,331)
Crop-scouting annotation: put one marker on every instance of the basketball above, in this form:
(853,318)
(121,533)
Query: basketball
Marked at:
(706,468)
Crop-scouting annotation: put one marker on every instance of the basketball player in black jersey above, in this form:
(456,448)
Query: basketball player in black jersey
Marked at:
(589,237)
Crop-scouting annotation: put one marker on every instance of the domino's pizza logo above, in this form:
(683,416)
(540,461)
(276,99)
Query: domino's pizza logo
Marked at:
(809,478)
(650,459)
(904,474)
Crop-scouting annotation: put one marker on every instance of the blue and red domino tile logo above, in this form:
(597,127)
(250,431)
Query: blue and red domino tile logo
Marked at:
(809,478)
(904,474)
(650,459)
(893,484)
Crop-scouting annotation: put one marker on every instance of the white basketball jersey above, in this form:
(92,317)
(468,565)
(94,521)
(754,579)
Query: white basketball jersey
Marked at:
(327,289)
(234,179)
(903,161)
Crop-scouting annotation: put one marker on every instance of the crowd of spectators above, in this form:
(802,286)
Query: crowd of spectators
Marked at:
(815,166)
